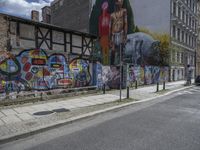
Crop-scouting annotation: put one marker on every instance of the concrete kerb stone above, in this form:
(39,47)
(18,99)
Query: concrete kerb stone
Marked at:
(6,139)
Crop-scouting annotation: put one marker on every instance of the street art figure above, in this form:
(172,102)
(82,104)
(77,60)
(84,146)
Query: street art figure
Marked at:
(104,22)
(118,30)
(142,49)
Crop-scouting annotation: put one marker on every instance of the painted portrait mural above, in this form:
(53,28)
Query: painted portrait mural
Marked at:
(111,21)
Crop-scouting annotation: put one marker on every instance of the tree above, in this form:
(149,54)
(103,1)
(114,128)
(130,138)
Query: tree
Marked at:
(136,29)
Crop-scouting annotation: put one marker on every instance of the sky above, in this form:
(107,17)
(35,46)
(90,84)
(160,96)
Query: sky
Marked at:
(22,8)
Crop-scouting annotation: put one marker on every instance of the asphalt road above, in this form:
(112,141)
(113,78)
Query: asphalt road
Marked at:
(169,123)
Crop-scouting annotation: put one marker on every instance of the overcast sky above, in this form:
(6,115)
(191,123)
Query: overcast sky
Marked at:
(22,8)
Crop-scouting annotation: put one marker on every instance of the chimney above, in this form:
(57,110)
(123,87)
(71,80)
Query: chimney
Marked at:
(35,15)
(46,14)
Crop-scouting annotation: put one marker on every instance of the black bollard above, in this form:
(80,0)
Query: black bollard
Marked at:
(41,96)
(104,89)
(164,85)
(136,84)
(127,93)
(157,87)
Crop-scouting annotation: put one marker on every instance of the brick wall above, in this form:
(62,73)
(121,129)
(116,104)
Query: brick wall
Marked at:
(71,14)
(3,33)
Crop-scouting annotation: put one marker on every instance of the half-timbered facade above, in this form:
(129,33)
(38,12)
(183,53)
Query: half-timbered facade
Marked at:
(39,56)
(25,34)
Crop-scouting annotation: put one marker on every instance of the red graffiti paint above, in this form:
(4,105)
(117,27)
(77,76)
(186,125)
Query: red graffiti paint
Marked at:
(27,66)
(65,82)
(46,72)
(28,76)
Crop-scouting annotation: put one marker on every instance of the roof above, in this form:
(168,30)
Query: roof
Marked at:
(46,25)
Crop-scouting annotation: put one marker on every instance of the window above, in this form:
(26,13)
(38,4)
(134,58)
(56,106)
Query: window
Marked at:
(193,7)
(174,31)
(179,11)
(174,8)
(187,18)
(183,36)
(194,42)
(182,57)
(183,15)
(178,34)
(189,40)
(190,21)
(193,24)
(186,38)
(178,57)
(189,3)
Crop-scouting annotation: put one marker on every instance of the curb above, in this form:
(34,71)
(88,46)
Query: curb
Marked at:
(60,123)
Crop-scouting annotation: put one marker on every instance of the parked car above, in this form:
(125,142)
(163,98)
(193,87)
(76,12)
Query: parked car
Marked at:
(197,80)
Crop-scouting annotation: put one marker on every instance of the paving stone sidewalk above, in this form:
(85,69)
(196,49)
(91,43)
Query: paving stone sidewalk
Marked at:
(21,119)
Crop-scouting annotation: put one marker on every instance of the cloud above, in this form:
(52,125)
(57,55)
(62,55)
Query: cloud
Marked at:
(22,7)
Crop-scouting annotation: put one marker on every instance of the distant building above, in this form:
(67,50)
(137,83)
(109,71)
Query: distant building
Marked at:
(35,15)
(46,14)
(71,14)
(178,18)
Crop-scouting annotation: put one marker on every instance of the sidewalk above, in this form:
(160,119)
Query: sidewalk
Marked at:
(21,120)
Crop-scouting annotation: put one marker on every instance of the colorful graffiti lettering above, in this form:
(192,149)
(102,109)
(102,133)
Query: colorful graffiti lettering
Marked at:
(8,64)
(155,74)
(33,69)
(97,75)
(80,71)
(111,77)
(147,74)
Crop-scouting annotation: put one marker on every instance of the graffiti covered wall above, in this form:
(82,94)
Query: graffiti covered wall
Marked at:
(147,74)
(34,70)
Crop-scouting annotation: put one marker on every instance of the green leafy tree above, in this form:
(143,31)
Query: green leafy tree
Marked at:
(136,29)
(164,46)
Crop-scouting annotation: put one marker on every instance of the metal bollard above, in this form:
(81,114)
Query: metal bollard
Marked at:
(136,84)
(41,96)
(127,92)
(104,89)
(157,87)
(164,85)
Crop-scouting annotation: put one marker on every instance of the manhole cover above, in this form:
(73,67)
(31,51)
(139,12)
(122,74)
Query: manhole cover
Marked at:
(60,110)
(41,113)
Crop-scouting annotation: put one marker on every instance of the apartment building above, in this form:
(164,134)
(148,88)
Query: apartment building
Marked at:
(198,41)
(178,19)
